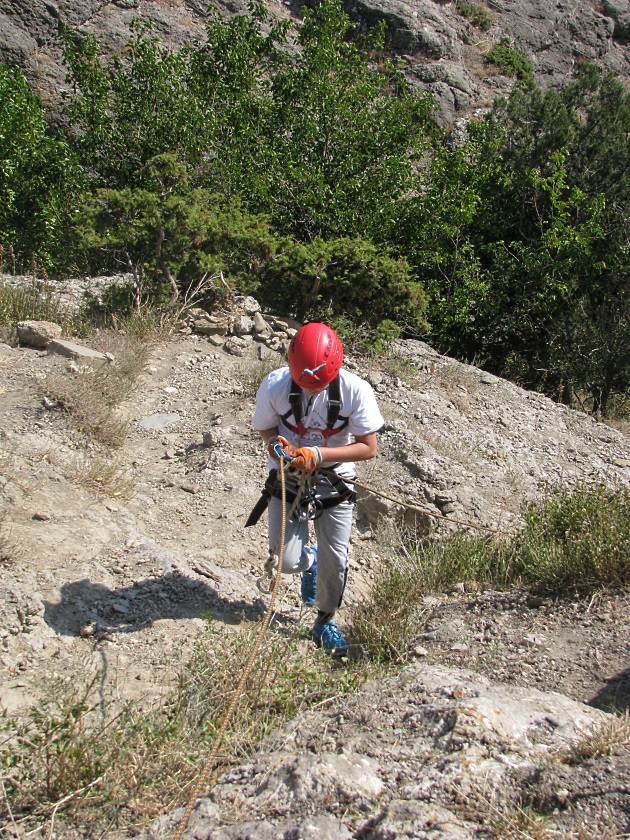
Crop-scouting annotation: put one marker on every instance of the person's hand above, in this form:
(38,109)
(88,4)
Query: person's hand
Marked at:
(284,443)
(306,458)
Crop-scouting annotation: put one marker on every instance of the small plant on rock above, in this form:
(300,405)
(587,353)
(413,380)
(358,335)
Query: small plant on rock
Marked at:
(476,14)
(510,61)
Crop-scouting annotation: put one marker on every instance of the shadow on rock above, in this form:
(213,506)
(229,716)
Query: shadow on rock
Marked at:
(615,695)
(88,608)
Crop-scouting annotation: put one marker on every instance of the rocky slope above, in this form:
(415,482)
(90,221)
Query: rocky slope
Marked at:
(443,52)
(495,701)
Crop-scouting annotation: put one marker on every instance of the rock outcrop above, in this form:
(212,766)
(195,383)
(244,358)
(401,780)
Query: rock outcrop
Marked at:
(406,757)
(442,51)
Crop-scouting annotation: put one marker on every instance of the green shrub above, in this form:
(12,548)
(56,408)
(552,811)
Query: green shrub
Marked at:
(344,280)
(476,14)
(578,537)
(510,61)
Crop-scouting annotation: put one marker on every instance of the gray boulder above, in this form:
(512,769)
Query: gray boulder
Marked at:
(38,333)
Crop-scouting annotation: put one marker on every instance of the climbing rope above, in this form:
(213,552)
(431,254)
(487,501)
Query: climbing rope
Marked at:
(425,511)
(202,782)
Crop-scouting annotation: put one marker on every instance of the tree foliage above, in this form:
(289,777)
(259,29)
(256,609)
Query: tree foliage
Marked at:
(39,176)
(343,278)
(526,256)
(295,158)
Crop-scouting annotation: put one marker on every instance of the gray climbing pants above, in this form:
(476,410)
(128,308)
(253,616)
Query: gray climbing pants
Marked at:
(332,532)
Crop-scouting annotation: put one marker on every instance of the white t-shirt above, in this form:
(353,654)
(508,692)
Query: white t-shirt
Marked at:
(358,404)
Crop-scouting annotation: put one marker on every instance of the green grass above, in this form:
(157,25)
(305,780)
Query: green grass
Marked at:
(576,539)
(386,622)
(137,763)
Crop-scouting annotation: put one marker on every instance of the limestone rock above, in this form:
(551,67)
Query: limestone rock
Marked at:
(38,333)
(249,305)
(261,327)
(235,346)
(619,11)
(210,326)
(243,325)
(78,352)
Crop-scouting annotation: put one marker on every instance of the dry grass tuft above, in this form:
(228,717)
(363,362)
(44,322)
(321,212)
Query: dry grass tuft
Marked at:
(391,616)
(90,395)
(99,472)
(32,302)
(602,740)
(251,375)
(105,763)
(519,823)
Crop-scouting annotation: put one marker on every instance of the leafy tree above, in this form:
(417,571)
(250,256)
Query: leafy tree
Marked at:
(347,131)
(523,250)
(39,176)
(323,141)
(125,114)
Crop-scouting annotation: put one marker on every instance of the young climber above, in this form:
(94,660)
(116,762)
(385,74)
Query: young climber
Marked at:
(325,418)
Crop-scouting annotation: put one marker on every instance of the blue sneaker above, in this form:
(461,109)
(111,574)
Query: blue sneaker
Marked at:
(308,586)
(328,636)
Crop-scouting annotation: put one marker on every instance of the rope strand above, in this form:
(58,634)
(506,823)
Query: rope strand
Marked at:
(202,783)
(424,510)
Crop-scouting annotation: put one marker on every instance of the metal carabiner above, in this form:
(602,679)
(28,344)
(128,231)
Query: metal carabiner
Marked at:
(280,452)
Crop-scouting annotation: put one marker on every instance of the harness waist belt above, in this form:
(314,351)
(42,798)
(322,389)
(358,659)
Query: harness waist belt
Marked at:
(272,488)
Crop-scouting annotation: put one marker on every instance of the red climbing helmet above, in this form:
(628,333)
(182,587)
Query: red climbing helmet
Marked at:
(315,355)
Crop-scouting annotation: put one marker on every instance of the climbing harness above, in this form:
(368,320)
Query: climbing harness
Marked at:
(312,501)
(296,396)
(202,782)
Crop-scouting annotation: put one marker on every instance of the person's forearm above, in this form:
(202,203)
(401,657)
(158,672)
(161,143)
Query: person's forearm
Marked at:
(345,454)
(361,450)
(268,434)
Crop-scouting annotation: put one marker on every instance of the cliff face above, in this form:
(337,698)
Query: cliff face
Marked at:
(443,50)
